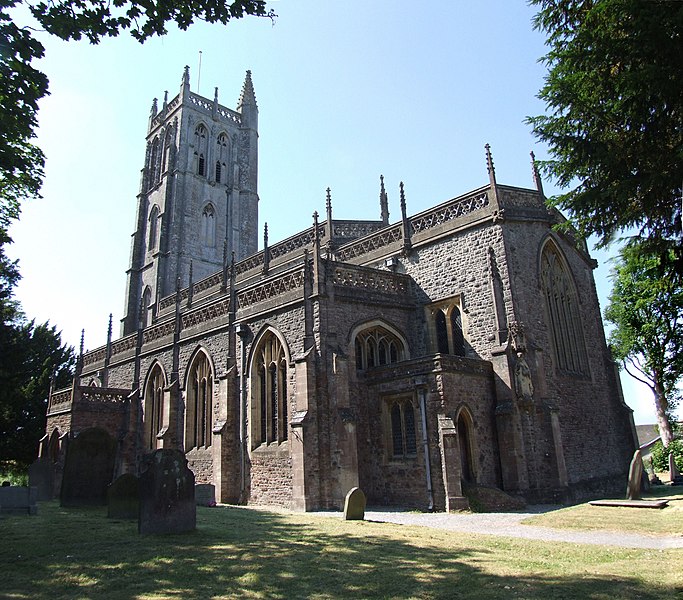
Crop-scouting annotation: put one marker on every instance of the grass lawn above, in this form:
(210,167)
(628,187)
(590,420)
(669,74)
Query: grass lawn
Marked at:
(666,521)
(242,553)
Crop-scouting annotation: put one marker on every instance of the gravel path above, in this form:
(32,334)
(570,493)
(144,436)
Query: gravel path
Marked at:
(508,524)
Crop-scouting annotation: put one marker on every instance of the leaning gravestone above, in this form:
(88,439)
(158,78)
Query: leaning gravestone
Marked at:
(89,468)
(634,491)
(41,475)
(167,502)
(123,497)
(354,505)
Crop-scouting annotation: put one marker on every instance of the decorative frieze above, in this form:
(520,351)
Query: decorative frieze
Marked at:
(206,313)
(123,344)
(270,289)
(94,356)
(355,229)
(158,331)
(454,209)
(382,281)
(90,393)
(378,240)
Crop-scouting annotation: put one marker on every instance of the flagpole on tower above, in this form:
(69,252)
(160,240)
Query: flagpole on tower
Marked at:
(199,71)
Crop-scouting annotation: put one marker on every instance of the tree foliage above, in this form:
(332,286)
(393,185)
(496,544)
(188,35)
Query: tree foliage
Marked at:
(614,122)
(30,355)
(646,309)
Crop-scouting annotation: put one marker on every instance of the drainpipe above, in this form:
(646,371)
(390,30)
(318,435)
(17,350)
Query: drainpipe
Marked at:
(242,331)
(421,394)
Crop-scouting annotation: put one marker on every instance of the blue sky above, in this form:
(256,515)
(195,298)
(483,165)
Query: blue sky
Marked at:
(346,91)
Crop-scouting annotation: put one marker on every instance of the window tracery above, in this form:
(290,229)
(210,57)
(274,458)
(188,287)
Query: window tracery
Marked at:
(199,409)
(561,302)
(403,434)
(154,406)
(269,399)
(209,226)
(447,328)
(377,346)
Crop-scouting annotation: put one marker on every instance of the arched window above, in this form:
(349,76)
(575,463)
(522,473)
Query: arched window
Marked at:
(199,404)
(154,407)
(562,309)
(448,335)
(269,398)
(146,302)
(201,148)
(209,226)
(152,228)
(377,346)
(166,153)
(154,161)
(464,429)
(221,157)
(403,433)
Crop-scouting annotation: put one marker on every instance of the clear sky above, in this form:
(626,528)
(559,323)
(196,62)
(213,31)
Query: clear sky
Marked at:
(346,91)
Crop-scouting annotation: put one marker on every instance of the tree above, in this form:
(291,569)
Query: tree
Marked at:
(30,355)
(614,126)
(646,309)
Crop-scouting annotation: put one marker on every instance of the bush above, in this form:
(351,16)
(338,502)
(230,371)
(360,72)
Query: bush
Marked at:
(660,457)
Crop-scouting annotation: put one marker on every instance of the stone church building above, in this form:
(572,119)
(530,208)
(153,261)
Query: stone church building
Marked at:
(461,346)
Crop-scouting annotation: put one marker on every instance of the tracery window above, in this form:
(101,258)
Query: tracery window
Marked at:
(209,226)
(561,302)
(199,410)
(201,148)
(403,434)
(154,407)
(153,228)
(377,346)
(449,337)
(221,157)
(269,399)
(154,163)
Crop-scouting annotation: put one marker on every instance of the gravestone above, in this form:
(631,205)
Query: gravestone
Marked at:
(167,503)
(634,490)
(354,505)
(18,500)
(88,469)
(41,475)
(674,474)
(123,497)
(205,494)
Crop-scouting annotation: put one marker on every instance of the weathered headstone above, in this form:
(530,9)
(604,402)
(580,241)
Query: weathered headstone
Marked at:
(205,494)
(18,500)
(354,505)
(89,468)
(674,474)
(634,491)
(167,502)
(41,474)
(123,497)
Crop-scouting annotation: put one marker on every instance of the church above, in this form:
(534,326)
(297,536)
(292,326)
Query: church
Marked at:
(415,358)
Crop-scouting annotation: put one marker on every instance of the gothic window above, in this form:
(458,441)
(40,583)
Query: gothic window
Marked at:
(403,434)
(199,409)
(221,157)
(209,226)
(154,407)
(377,346)
(145,307)
(447,329)
(168,142)
(201,148)
(269,398)
(218,171)
(154,160)
(561,302)
(152,228)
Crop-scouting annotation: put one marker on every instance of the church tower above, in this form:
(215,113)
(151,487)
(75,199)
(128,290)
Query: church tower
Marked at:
(198,194)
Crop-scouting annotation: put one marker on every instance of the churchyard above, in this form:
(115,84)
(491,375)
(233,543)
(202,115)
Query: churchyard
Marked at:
(247,553)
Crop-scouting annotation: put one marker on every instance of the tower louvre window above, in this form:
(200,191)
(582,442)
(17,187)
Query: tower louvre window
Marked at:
(218,171)
(201,166)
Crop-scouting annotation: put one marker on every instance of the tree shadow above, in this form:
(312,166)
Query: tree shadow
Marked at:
(241,553)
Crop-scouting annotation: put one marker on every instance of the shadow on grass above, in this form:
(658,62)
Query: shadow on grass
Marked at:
(238,553)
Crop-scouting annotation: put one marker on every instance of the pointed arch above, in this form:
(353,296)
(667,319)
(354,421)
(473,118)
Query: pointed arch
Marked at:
(145,306)
(201,148)
(377,343)
(199,382)
(464,424)
(153,406)
(269,396)
(208,228)
(562,310)
(153,228)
